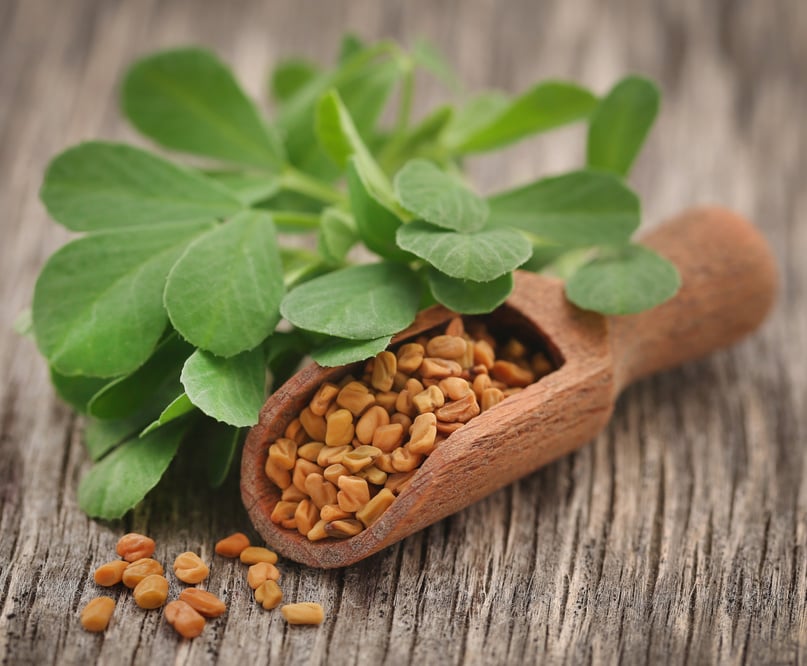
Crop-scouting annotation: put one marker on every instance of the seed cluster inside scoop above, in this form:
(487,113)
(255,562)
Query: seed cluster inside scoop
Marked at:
(357,444)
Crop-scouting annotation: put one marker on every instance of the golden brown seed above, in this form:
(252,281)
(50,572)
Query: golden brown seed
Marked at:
(410,356)
(455,388)
(283,511)
(306,516)
(232,545)
(373,475)
(422,434)
(414,386)
(480,385)
(402,419)
(512,391)
(185,620)
(353,494)
(399,482)
(134,546)
(323,399)
(331,512)
(386,399)
(283,453)
(340,428)
(360,457)
(514,350)
(455,327)
(355,397)
(96,614)
(302,468)
(444,428)
(293,494)
(313,425)
(491,397)
(384,369)
(260,572)
(138,570)
(446,346)
(296,432)
(438,368)
(428,400)
(372,511)
(403,403)
(255,554)
(204,603)
(331,455)
(333,472)
(388,437)
(384,463)
(151,592)
(511,374)
(405,460)
(318,532)
(189,568)
(269,595)
(484,354)
(310,451)
(304,613)
(322,492)
(371,419)
(399,382)
(110,573)
(277,475)
(343,529)
(540,365)
(466,361)
(462,410)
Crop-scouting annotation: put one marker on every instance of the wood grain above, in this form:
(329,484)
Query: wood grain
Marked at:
(679,536)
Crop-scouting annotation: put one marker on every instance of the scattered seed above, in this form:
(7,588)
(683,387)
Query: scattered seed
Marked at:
(96,614)
(151,592)
(134,546)
(255,554)
(303,613)
(185,620)
(111,573)
(203,602)
(232,545)
(139,569)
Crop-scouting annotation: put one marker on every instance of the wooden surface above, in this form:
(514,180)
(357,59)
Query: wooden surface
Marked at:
(679,536)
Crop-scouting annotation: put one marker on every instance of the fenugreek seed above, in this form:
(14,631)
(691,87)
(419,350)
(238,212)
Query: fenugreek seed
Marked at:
(480,385)
(189,568)
(306,516)
(512,374)
(512,391)
(289,523)
(313,425)
(405,460)
(151,592)
(360,457)
(255,554)
(454,388)
(540,365)
(185,620)
(333,472)
(438,368)
(462,410)
(318,532)
(399,482)
(371,419)
(331,455)
(111,573)
(331,409)
(134,546)
(96,614)
(310,451)
(296,432)
(355,397)
(399,382)
(384,369)
(203,602)
(484,354)
(422,434)
(466,361)
(304,613)
(323,399)
(491,397)
(339,428)
(386,399)
(387,438)
(331,512)
(302,468)
(430,381)
(283,511)
(139,569)
(277,475)
(446,346)
(373,475)
(259,573)
(414,386)
(514,350)
(322,492)
(445,428)
(455,327)
(384,463)
(403,403)
(269,595)
(353,494)
(410,356)
(372,511)
(428,400)
(343,529)
(283,453)
(293,494)
(403,420)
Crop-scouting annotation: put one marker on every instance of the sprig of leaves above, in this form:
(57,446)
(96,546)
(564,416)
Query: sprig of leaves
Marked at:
(160,321)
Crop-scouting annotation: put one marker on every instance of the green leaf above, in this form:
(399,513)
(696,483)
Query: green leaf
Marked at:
(431,194)
(223,294)
(359,303)
(469,297)
(218,443)
(429,58)
(228,389)
(342,352)
(125,476)
(546,106)
(249,188)
(101,436)
(336,236)
(77,391)
(107,186)
(350,46)
(126,395)
(581,208)
(478,113)
(178,407)
(290,76)
(24,323)
(621,123)
(300,265)
(376,225)
(98,307)
(188,100)
(480,256)
(623,281)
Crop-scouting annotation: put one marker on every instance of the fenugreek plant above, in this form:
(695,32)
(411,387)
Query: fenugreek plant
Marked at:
(161,320)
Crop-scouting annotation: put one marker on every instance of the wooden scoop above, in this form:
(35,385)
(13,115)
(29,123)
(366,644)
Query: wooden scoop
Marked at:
(729,284)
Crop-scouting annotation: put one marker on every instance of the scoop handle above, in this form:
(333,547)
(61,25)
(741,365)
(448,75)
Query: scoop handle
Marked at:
(728,285)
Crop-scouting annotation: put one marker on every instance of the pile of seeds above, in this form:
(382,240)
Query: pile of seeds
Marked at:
(139,571)
(356,446)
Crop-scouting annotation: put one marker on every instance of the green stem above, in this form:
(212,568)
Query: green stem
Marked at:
(302,183)
(295,220)
(407,93)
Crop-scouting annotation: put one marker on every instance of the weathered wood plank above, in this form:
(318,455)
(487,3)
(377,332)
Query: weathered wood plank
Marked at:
(679,536)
